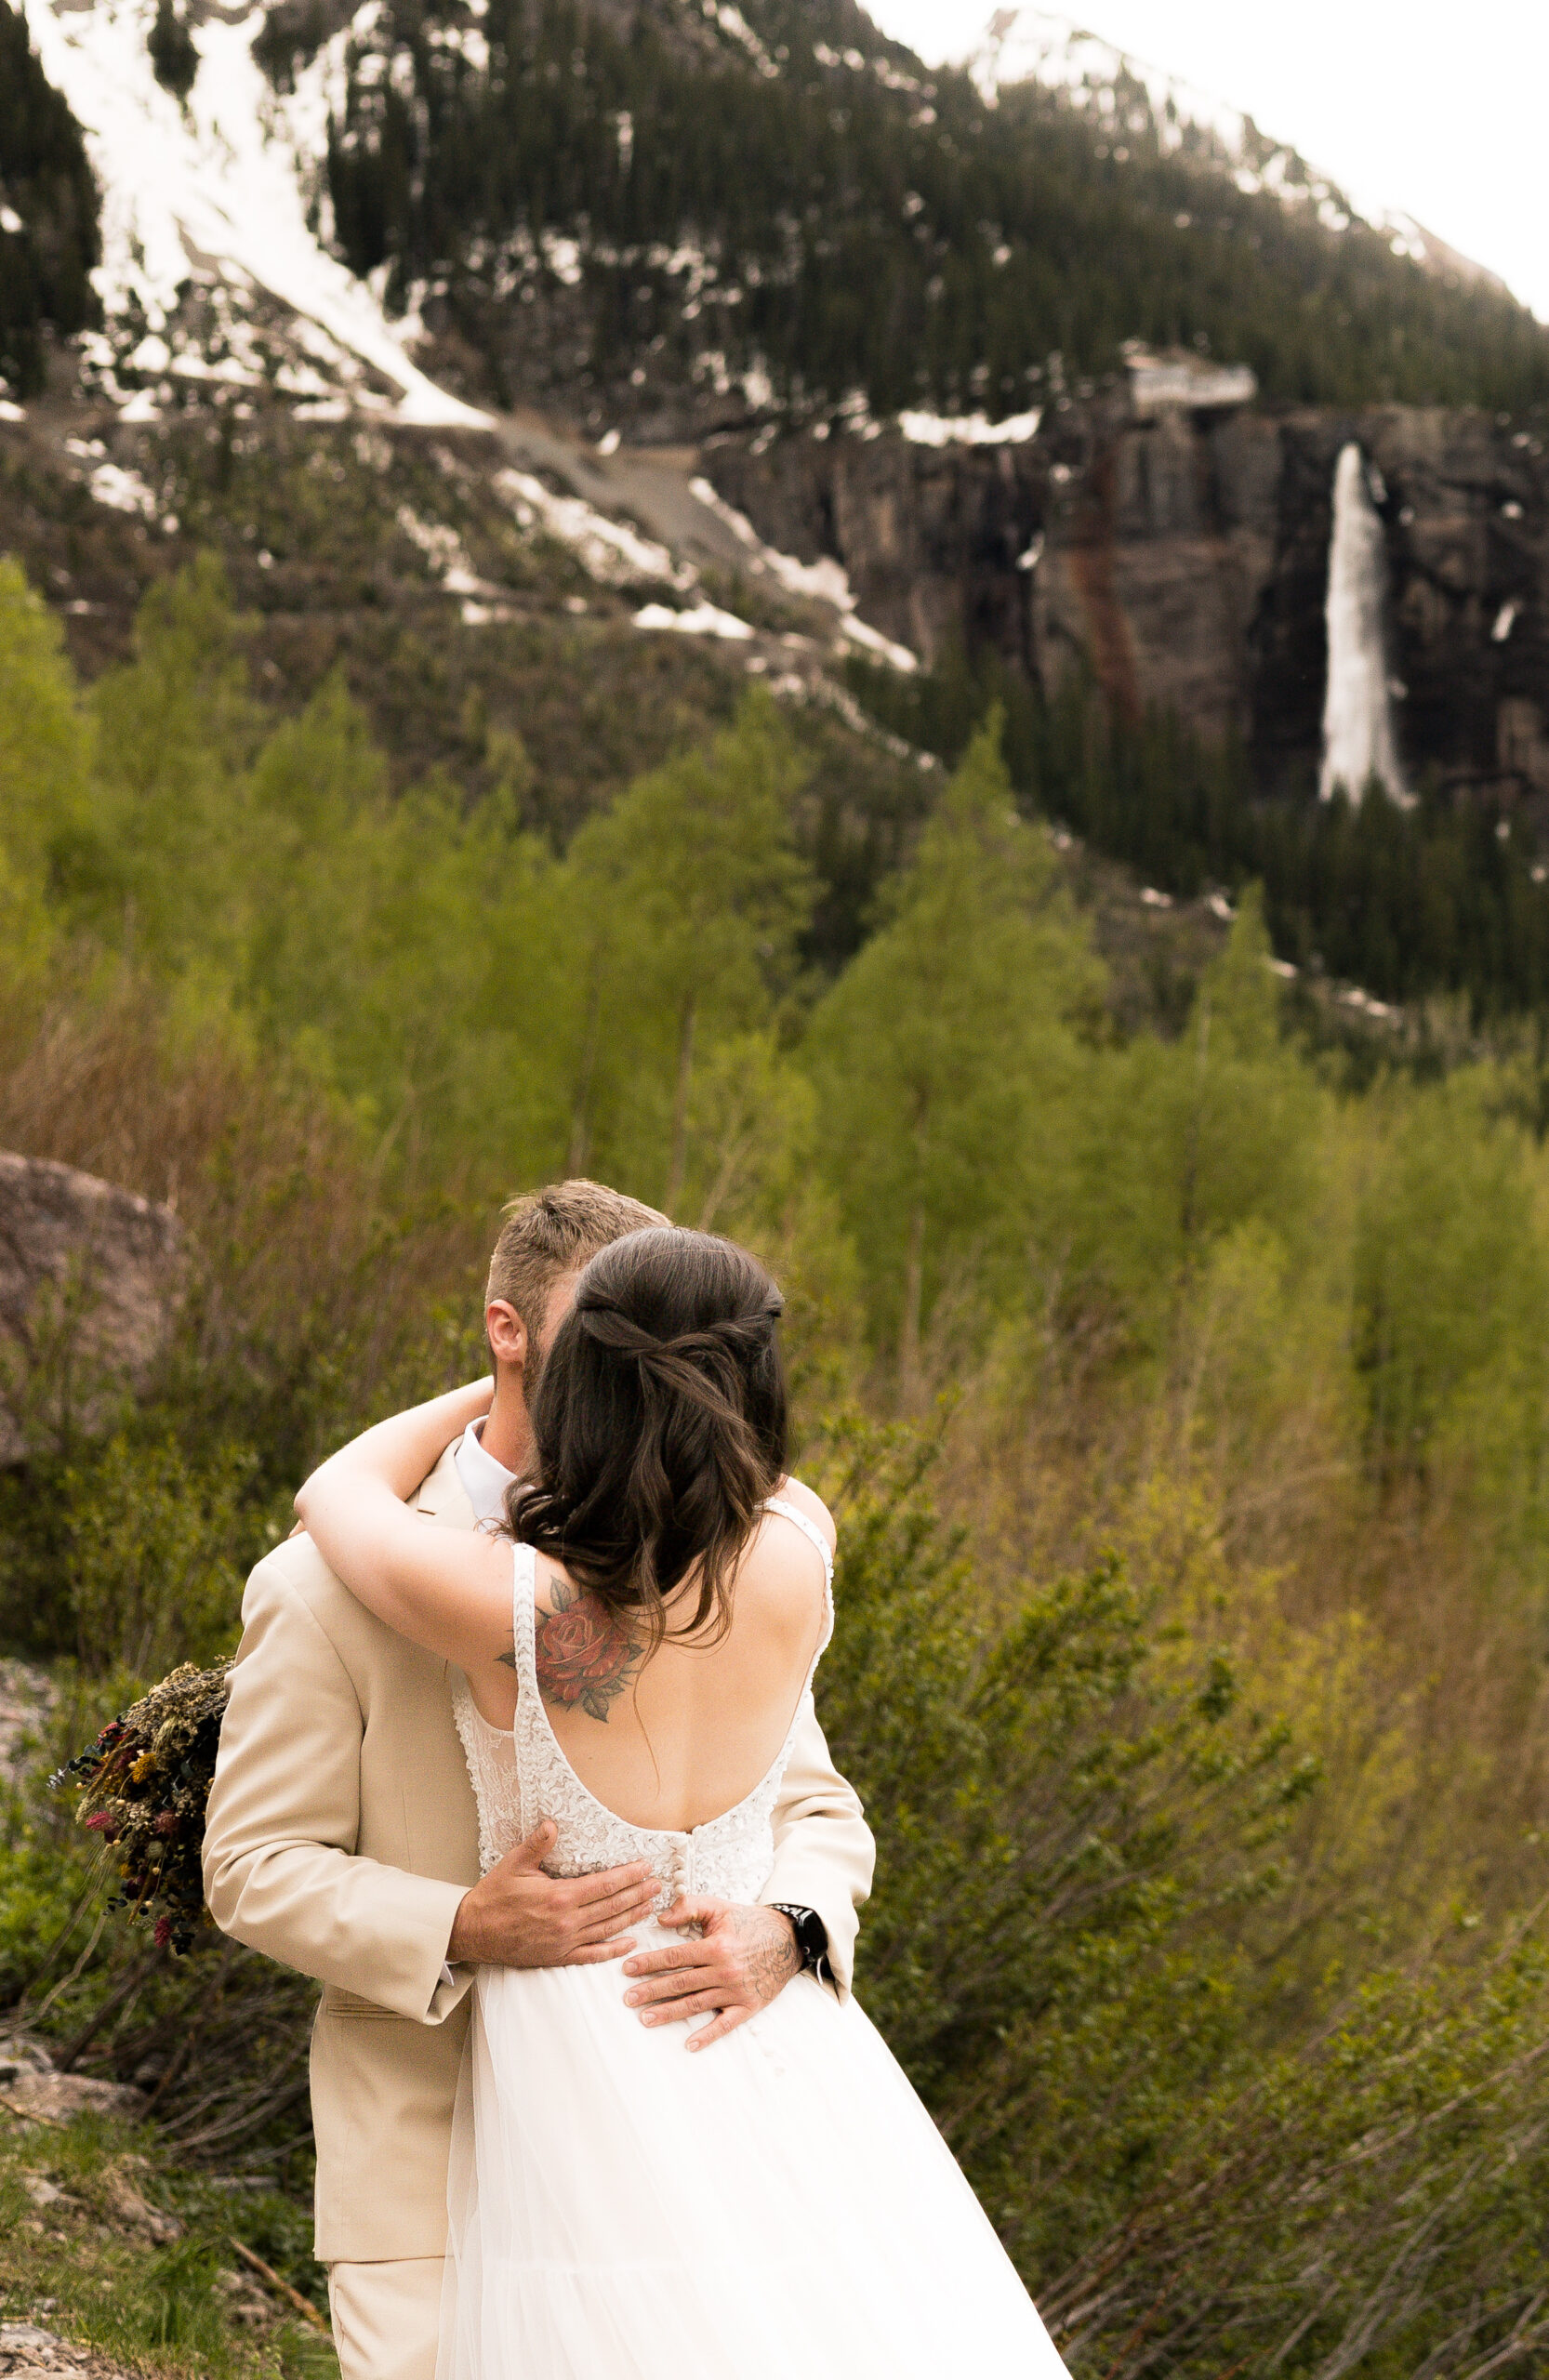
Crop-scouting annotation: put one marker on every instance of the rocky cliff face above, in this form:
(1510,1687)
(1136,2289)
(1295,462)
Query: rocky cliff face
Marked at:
(89,1277)
(1185,559)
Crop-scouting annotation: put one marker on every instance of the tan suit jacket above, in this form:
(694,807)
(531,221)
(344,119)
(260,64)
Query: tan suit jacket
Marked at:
(340,1839)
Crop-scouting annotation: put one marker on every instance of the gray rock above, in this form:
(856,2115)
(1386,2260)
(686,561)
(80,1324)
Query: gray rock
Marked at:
(29,2085)
(25,2347)
(27,1700)
(57,2098)
(89,1278)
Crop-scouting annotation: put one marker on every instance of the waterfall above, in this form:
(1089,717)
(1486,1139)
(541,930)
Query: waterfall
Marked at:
(1358,709)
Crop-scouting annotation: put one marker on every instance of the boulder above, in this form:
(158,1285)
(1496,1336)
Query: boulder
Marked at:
(89,1278)
(26,2346)
(27,1697)
(31,2085)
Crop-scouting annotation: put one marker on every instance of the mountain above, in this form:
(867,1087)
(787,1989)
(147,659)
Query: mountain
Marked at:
(1126,103)
(669,214)
(548,367)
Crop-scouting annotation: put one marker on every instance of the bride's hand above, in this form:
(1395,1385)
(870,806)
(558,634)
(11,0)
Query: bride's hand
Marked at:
(743,1959)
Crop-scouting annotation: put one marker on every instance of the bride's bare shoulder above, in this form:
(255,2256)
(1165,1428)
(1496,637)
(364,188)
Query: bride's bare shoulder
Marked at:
(780,1582)
(792,1492)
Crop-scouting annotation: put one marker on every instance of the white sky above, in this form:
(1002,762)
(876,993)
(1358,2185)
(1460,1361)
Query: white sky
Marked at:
(1433,106)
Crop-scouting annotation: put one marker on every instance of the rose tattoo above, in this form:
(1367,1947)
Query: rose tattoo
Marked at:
(584,1653)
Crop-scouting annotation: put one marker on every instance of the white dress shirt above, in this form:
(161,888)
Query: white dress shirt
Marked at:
(485,1481)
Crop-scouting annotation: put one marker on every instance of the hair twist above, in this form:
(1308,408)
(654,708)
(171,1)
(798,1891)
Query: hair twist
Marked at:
(659,1423)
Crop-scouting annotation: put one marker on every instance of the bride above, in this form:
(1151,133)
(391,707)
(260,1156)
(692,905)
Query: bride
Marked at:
(635,1665)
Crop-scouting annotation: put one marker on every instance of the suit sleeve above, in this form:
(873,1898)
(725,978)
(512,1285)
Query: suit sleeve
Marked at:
(280,1871)
(824,1854)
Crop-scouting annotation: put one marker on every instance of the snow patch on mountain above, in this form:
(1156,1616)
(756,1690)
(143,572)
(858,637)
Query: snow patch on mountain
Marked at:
(826,581)
(219,184)
(612,552)
(968,430)
(705,619)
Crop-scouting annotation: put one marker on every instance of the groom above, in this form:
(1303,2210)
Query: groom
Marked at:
(342,1838)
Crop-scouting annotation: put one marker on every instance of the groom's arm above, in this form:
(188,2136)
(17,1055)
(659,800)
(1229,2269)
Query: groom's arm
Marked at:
(280,1869)
(824,1851)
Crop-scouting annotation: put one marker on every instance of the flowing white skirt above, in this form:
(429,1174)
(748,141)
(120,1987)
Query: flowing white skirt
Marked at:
(780,2202)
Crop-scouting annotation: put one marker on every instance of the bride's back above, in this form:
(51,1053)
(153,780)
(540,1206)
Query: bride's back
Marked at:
(676,1736)
(676,1617)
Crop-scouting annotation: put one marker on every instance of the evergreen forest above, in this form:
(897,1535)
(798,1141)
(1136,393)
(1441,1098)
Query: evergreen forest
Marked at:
(1181,1384)
(800,207)
(49,211)
(822,214)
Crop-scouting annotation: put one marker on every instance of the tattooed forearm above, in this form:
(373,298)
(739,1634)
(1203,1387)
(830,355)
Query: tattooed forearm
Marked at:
(768,1951)
(586,1656)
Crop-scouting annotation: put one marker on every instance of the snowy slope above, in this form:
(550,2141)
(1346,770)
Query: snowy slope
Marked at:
(212,199)
(216,190)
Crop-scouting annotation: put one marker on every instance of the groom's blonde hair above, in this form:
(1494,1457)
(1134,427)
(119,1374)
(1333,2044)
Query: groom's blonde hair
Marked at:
(545,1234)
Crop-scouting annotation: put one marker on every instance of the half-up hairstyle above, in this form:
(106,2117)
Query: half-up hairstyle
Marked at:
(658,1425)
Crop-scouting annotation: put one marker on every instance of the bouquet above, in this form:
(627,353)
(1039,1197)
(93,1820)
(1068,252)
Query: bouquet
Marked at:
(143,1786)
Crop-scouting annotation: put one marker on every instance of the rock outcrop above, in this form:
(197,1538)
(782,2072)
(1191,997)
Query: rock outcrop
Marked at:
(32,2086)
(27,2348)
(1182,556)
(89,1278)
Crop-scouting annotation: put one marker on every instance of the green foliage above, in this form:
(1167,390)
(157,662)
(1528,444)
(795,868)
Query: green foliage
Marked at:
(1207,1771)
(45,750)
(683,911)
(1074,1811)
(45,267)
(173,2308)
(942,1048)
(854,226)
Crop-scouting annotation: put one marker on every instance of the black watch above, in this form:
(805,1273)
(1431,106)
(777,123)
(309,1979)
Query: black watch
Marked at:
(812,1936)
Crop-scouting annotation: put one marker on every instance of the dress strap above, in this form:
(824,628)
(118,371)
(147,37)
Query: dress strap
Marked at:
(809,1530)
(523,1619)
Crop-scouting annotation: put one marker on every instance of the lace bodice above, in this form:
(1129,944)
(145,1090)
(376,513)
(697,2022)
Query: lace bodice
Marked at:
(523,1777)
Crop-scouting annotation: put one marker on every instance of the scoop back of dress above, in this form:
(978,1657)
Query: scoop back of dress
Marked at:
(621,2211)
(521,1778)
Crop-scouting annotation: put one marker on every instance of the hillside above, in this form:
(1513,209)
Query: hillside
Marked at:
(659,214)
(49,207)
(535,371)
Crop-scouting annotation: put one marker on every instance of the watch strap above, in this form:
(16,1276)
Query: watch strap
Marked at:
(812,1936)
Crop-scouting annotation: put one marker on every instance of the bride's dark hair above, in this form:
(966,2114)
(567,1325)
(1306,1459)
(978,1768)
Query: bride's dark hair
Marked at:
(658,1425)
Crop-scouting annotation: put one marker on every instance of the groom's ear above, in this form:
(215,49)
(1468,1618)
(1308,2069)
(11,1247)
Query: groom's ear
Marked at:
(507,1333)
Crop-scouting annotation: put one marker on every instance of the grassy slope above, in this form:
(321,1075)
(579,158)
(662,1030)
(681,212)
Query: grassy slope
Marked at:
(87,2265)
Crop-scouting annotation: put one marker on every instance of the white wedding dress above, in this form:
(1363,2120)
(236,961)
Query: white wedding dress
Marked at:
(781,2204)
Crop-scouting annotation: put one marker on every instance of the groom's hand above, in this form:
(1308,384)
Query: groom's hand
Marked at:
(518,1917)
(743,1959)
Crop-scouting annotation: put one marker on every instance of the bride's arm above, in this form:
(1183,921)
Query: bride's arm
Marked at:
(449,1590)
